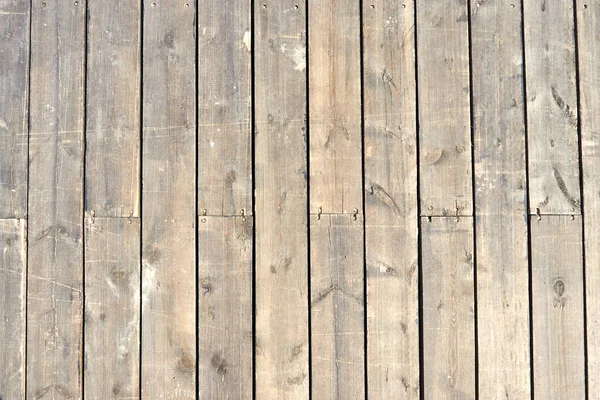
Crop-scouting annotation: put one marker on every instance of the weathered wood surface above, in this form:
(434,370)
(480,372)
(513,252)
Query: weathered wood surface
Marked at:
(55,219)
(281,314)
(225,307)
(500,200)
(391,215)
(169,202)
(112,308)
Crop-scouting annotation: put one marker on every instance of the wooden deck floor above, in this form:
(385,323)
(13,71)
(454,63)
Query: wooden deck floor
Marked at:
(292,199)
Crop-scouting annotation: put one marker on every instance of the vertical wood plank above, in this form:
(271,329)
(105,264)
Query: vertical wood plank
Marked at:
(112,179)
(13,243)
(557,288)
(500,200)
(448,314)
(391,215)
(112,308)
(169,201)
(55,228)
(225,307)
(281,342)
(337,307)
(224,108)
(14,80)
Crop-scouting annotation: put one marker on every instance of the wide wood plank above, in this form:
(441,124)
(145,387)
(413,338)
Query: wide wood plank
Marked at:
(391,200)
(169,201)
(225,307)
(281,342)
(55,228)
(112,178)
(112,308)
(501,201)
(557,296)
(224,108)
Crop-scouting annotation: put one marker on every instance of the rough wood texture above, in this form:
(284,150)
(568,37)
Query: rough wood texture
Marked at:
(14,74)
(169,200)
(281,200)
(551,107)
(225,307)
(448,314)
(391,200)
(112,179)
(55,248)
(557,293)
(335,114)
(445,139)
(12,308)
(224,108)
(337,304)
(112,308)
(501,201)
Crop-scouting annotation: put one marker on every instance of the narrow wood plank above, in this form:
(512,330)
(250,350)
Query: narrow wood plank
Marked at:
(225,307)
(112,308)
(55,248)
(391,216)
(551,107)
(448,314)
(169,198)
(444,117)
(337,313)
(112,179)
(13,243)
(281,342)
(335,112)
(224,108)
(557,289)
(14,81)
(500,200)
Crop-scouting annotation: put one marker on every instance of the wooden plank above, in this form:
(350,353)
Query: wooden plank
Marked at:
(335,112)
(551,107)
(169,198)
(112,182)
(337,313)
(281,339)
(224,108)
(557,293)
(55,231)
(445,139)
(225,307)
(391,215)
(13,243)
(501,201)
(14,81)
(112,308)
(448,314)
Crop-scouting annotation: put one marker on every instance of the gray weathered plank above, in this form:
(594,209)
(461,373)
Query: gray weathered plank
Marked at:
(448,314)
(281,342)
(169,192)
(224,108)
(14,80)
(557,296)
(337,313)
(55,228)
(13,243)
(500,201)
(551,107)
(443,75)
(391,200)
(335,114)
(225,307)
(112,308)
(112,178)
